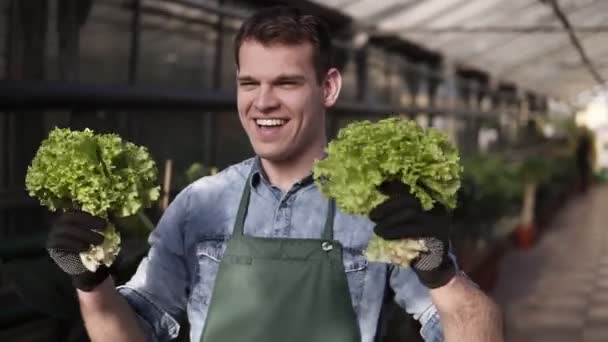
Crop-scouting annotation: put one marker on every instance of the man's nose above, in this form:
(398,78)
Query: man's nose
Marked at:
(266,100)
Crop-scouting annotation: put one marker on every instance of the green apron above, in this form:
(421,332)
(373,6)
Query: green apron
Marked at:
(272,289)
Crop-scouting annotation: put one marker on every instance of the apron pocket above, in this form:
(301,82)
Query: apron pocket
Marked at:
(355,266)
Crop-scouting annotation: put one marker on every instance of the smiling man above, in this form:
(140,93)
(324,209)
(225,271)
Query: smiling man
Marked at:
(256,253)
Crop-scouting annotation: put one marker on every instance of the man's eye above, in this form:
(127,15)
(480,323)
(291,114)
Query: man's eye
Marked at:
(247,84)
(288,84)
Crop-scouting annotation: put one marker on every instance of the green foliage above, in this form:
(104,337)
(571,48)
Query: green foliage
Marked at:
(195,171)
(100,174)
(495,174)
(491,188)
(365,154)
(536,169)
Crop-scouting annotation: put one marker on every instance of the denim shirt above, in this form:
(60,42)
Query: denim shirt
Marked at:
(177,276)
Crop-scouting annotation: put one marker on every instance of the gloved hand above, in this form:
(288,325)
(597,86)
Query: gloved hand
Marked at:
(74,232)
(401,217)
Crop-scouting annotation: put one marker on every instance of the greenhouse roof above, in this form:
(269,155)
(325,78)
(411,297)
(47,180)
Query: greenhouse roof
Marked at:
(557,48)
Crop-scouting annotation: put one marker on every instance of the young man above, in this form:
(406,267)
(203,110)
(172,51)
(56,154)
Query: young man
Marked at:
(256,253)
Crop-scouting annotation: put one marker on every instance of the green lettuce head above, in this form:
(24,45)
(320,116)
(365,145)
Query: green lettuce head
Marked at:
(366,154)
(97,173)
(100,174)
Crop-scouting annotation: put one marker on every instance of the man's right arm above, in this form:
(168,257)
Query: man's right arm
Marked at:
(108,316)
(147,307)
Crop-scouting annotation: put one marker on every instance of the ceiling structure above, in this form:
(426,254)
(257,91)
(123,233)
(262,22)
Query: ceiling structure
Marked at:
(553,47)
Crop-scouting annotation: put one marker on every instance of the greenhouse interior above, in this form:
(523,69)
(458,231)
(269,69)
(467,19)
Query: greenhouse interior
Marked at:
(517,91)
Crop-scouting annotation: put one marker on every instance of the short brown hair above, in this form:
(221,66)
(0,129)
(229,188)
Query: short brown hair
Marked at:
(289,26)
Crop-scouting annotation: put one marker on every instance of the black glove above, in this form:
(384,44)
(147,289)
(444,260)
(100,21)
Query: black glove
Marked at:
(401,217)
(74,232)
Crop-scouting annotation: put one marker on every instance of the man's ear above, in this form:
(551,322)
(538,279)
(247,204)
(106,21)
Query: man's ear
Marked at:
(331,87)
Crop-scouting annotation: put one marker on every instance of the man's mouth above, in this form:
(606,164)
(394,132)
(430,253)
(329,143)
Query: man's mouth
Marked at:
(270,122)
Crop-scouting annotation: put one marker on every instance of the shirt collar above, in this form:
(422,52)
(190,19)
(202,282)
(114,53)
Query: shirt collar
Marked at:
(257,174)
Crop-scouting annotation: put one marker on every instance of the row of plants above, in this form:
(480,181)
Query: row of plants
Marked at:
(507,197)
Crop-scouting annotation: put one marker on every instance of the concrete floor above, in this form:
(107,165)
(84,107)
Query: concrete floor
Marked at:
(557,291)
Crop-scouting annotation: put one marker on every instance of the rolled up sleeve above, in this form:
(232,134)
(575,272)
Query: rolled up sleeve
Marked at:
(158,325)
(415,299)
(158,290)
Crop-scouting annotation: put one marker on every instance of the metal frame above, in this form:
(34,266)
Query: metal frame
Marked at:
(37,95)
(34,95)
(548,29)
(135,39)
(209,119)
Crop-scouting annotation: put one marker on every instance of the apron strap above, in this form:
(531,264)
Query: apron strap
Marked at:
(328,231)
(239,224)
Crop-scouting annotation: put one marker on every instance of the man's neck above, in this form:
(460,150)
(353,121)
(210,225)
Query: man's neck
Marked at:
(285,174)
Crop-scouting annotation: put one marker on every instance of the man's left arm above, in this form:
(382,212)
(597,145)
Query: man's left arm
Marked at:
(466,313)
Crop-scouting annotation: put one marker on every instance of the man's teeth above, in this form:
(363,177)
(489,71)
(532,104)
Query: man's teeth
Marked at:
(270,122)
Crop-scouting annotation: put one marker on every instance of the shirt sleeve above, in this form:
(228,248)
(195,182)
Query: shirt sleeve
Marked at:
(415,299)
(158,290)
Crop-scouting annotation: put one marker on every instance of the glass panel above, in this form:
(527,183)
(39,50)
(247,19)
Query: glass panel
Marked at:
(228,61)
(423,100)
(344,120)
(52,43)
(443,95)
(397,85)
(377,76)
(4,150)
(423,120)
(231,143)
(99,121)
(176,136)
(105,44)
(3,37)
(177,45)
(348,69)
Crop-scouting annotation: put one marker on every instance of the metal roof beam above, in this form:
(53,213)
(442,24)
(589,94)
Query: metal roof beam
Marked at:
(574,39)
(545,18)
(505,29)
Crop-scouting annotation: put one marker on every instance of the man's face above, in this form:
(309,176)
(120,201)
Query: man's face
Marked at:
(280,102)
